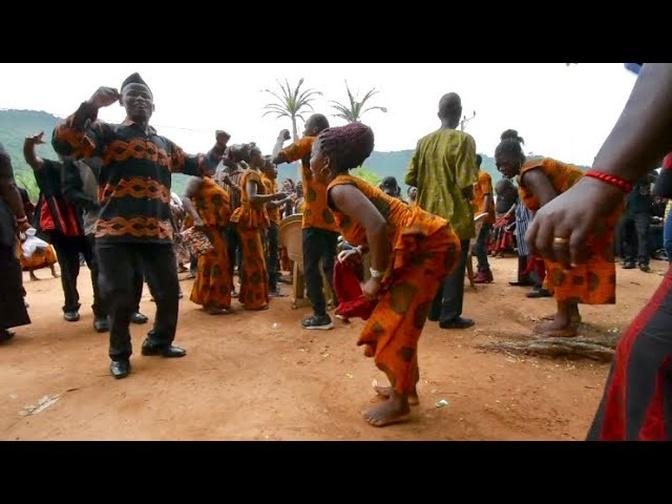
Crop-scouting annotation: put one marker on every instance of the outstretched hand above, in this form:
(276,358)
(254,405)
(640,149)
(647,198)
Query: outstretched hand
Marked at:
(36,139)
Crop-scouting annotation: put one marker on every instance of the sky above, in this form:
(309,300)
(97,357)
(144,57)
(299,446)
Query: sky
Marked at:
(561,111)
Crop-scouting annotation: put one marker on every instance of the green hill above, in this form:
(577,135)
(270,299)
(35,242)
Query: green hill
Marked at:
(15,125)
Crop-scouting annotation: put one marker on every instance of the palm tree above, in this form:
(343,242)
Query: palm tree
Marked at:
(291,102)
(354,111)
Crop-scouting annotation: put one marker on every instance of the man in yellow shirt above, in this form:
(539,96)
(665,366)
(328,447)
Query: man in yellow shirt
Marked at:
(443,169)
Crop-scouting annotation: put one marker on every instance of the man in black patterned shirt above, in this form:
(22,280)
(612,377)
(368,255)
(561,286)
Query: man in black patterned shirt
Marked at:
(133,230)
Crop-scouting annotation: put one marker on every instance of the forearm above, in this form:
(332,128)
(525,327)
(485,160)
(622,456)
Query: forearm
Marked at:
(635,144)
(379,247)
(29,155)
(69,137)
(277,148)
(190,209)
(259,199)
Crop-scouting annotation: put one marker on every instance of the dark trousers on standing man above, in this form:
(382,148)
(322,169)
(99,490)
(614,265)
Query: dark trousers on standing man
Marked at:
(273,256)
(120,267)
(447,304)
(635,236)
(319,249)
(68,249)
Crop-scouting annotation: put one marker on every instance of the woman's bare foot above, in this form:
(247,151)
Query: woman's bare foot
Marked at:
(575,318)
(385,392)
(394,410)
(556,329)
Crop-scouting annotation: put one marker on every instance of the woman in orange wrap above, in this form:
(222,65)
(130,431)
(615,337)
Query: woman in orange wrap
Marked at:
(593,282)
(411,250)
(252,220)
(208,207)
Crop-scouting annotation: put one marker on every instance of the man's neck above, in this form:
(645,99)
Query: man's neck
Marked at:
(143,124)
(448,124)
(219,149)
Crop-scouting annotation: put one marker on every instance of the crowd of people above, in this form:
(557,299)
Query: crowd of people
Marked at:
(108,200)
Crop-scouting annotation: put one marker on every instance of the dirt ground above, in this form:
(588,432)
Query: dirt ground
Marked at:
(258,376)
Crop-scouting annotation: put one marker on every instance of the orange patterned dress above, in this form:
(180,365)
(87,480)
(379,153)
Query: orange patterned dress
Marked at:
(424,251)
(251,222)
(213,285)
(593,282)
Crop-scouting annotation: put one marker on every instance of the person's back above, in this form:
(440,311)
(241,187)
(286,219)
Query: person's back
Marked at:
(444,171)
(445,164)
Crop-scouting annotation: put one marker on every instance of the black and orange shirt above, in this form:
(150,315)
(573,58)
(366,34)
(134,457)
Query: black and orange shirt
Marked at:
(316,212)
(135,177)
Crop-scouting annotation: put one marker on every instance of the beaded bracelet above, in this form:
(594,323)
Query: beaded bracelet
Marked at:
(622,184)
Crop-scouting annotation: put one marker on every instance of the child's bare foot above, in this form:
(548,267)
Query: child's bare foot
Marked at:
(394,410)
(385,392)
(33,278)
(53,272)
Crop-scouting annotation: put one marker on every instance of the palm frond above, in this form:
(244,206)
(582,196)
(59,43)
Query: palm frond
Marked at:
(383,109)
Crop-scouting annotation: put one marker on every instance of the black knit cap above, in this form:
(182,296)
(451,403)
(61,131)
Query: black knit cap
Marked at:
(134,78)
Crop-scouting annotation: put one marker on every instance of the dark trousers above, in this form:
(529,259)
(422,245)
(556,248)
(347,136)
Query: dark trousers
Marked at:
(12,307)
(635,236)
(138,280)
(273,256)
(120,267)
(319,246)
(481,248)
(447,304)
(235,251)
(68,249)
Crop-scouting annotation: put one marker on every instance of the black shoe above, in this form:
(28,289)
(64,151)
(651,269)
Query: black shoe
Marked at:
(521,284)
(120,369)
(458,323)
(645,268)
(538,293)
(71,316)
(5,335)
(629,265)
(276,293)
(139,318)
(101,325)
(163,351)
(318,322)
